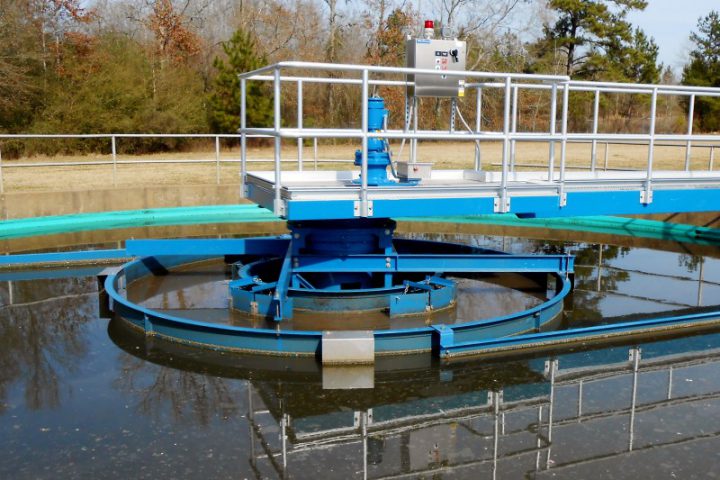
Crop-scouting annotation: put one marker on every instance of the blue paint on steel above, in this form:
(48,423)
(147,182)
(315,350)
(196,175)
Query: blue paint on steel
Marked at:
(349,283)
(470,347)
(299,342)
(378,157)
(210,246)
(578,204)
(50,274)
(63,257)
(436,262)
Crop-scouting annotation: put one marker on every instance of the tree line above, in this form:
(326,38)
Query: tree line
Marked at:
(170,66)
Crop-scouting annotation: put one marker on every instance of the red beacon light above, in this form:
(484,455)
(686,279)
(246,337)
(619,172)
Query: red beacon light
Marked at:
(429,29)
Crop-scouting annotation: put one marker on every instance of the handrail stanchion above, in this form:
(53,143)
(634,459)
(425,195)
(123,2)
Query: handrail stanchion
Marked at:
(688,145)
(315,151)
(712,158)
(563,145)
(277,204)
(243,139)
(503,207)
(364,167)
(553,115)
(2,185)
(478,126)
(414,141)
(300,123)
(217,160)
(607,154)
(596,111)
(113,149)
(514,126)
(647,196)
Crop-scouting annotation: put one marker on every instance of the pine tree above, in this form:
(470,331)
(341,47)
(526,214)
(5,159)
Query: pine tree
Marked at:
(591,39)
(224,102)
(704,70)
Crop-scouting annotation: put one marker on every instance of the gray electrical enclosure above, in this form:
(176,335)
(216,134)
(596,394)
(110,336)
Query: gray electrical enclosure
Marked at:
(441,55)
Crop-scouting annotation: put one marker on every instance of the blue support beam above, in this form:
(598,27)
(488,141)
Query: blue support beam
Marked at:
(435,263)
(601,202)
(209,246)
(63,257)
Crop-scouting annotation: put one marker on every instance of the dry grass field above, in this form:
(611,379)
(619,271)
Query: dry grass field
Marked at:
(529,156)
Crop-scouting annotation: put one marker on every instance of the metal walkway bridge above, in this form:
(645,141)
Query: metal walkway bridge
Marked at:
(549,190)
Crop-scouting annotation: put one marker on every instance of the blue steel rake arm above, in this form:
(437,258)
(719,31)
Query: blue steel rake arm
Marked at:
(434,263)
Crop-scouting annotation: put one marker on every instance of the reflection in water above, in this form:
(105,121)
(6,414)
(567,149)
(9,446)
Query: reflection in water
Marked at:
(567,415)
(41,332)
(75,402)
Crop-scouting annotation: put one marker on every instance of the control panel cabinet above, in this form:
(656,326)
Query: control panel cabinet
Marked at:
(442,55)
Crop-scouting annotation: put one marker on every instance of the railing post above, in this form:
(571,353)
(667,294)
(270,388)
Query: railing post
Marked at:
(277,204)
(646,196)
(688,145)
(113,149)
(414,141)
(217,160)
(596,111)
(553,115)
(2,185)
(607,155)
(563,145)
(504,201)
(514,127)
(315,151)
(300,123)
(712,159)
(478,126)
(243,139)
(364,167)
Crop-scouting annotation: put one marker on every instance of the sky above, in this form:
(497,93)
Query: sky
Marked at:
(670,22)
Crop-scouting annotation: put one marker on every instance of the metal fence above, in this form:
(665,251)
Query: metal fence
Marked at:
(114,161)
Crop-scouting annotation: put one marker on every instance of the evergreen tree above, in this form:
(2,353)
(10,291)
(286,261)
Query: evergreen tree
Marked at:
(242,56)
(704,70)
(592,39)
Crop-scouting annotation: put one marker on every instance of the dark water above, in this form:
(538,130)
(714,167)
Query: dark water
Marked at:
(82,397)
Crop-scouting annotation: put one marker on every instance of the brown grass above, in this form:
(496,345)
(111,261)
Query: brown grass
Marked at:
(530,156)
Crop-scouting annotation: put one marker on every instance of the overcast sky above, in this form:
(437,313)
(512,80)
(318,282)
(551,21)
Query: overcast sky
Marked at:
(670,23)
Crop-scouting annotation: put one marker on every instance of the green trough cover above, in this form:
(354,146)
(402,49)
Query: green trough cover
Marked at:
(245,213)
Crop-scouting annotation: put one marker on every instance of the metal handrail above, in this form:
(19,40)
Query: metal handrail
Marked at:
(511,83)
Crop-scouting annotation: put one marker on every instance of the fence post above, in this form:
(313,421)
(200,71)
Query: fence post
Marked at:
(113,148)
(217,160)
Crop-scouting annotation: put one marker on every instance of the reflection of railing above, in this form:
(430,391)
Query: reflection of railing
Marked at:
(487,422)
(511,84)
